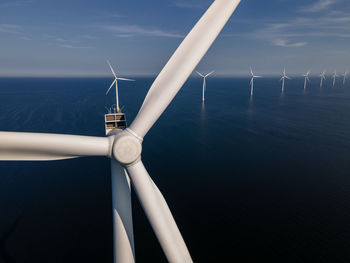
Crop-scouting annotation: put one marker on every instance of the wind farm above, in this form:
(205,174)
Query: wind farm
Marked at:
(124,163)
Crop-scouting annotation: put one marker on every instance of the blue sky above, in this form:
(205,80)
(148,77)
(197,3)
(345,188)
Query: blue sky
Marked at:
(68,38)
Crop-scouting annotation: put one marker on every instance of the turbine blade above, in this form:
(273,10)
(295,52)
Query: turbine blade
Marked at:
(22,146)
(200,74)
(123,234)
(110,66)
(181,64)
(158,214)
(210,73)
(125,79)
(251,71)
(111,86)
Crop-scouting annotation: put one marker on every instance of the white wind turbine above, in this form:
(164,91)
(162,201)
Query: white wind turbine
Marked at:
(334,77)
(204,82)
(252,81)
(124,147)
(344,75)
(306,76)
(115,81)
(284,76)
(323,77)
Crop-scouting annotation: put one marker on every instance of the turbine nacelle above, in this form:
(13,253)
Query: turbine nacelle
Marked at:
(126,147)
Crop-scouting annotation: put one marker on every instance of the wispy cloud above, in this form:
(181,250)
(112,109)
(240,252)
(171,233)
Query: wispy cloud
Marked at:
(285,43)
(318,6)
(134,30)
(16,3)
(69,46)
(186,4)
(10,28)
(300,31)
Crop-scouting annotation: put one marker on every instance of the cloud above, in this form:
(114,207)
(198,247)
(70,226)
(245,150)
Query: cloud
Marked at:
(10,28)
(320,5)
(69,46)
(134,30)
(300,31)
(17,3)
(183,4)
(284,43)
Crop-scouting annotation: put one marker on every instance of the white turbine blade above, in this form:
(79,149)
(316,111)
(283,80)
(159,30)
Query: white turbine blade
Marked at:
(111,86)
(123,235)
(125,79)
(110,66)
(282,78)
(158,214)
(210,73)
(21,146)
(181,64)
(251,71)
(257,76)
(200,74)
(287,77)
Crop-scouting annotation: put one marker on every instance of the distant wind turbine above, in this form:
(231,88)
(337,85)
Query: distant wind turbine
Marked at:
(252,81)
(323,77)
(344,79)
(116,85)
(306,79)
(283,78)
(204,82)
(334,77)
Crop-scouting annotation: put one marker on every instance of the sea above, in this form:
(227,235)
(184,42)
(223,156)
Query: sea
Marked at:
(248,179)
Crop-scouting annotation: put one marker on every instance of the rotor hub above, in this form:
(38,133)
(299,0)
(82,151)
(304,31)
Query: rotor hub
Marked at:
(126,148)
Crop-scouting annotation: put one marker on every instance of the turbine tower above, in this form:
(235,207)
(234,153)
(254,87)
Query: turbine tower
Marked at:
(306,79)
(204,82)
(115,81)
(252,81)
(334,77)
(344,79)
(323,77)
(284,76)
(124,147)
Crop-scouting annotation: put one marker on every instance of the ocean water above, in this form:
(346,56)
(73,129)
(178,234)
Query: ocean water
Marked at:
(248,180)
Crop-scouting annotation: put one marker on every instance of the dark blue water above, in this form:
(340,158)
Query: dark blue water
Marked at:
(248,180)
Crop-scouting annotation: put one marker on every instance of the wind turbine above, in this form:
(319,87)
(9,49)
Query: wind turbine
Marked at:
(283,78)
(344,75)
(124,147)
(334,77)
(252,81)
(323,77)
(204,82)
(306,79)
(115,81)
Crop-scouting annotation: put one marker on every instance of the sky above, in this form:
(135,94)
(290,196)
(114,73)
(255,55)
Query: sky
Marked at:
(76,37)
